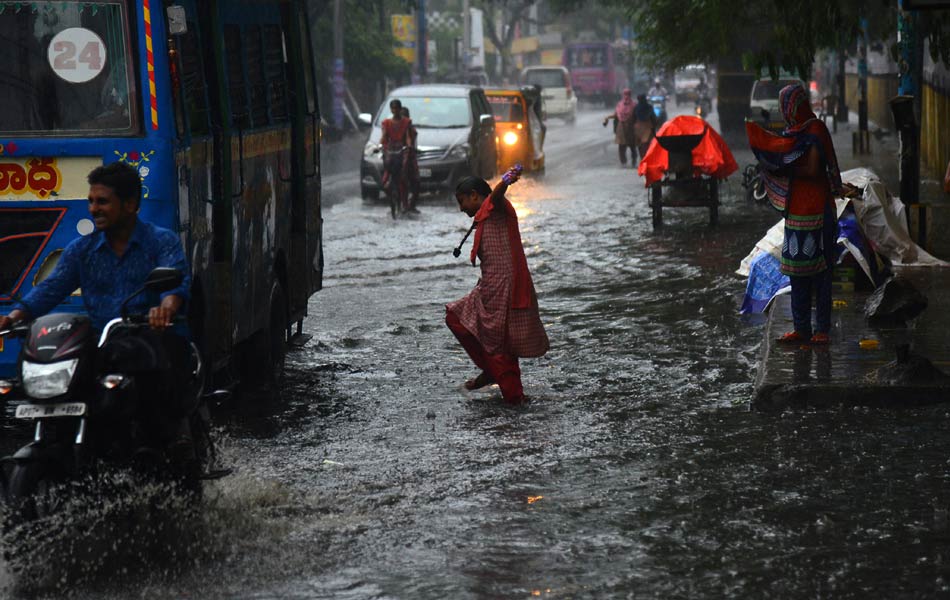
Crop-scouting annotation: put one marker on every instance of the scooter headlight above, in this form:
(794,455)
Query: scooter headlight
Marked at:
(43,381)
(510,138)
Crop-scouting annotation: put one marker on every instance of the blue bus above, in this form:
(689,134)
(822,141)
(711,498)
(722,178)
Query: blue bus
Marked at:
(214,103)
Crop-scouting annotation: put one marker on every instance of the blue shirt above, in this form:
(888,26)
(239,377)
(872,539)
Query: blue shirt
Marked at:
(107,279)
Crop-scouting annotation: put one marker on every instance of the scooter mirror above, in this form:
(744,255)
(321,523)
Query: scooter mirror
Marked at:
(163,279)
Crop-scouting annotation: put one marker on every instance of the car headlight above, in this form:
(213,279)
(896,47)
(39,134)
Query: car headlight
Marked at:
(48,380)
(510,138)
(370,149)
(460,151)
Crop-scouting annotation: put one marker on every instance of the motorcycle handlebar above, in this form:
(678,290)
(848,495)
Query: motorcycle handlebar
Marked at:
(18,329)
(143,320)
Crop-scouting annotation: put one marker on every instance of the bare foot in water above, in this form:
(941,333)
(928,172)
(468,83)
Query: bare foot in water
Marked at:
(481,381)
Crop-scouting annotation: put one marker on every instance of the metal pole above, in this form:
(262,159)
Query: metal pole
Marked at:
(466,37)
(863,78)
(422,44)
(911,72)
(339,83)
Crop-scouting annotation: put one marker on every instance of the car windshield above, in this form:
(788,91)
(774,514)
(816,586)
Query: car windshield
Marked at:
(66,68)
(432,111)
(766,89)
(507,109)
(546,78)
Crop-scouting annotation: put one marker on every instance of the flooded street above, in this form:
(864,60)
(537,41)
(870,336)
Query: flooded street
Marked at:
(637,469)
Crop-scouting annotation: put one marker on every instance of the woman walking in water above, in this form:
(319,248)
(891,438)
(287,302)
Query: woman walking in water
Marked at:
(498,321)
(644,125)
(624,133)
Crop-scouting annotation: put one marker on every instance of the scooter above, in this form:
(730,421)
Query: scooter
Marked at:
(659,109)
(703,105)
(90,402)
(754,184)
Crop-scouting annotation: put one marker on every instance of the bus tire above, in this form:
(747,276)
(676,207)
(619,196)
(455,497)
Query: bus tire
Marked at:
(263,355)
(276,333)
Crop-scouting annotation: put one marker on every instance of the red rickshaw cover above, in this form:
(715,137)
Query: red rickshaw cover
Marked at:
(711,157)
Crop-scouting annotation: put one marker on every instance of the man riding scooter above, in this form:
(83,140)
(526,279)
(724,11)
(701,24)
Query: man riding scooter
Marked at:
(658,95)
(109,265)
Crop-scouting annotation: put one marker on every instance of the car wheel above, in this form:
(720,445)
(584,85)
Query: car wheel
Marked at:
(369,194)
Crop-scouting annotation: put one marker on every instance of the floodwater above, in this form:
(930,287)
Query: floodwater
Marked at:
(636,471)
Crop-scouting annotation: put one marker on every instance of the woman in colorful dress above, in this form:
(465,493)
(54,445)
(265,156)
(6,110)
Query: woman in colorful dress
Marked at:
(498,321)
(802,178)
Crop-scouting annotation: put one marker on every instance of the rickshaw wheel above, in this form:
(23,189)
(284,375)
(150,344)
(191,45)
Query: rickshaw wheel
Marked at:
(713,202)
(656,204)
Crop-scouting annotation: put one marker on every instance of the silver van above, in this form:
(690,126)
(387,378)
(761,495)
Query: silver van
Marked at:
(456,136)
(555,83)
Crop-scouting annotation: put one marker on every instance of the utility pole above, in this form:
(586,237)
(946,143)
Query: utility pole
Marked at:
(422,44)
(339,83)
(466,37)
(906,109)
(862,143)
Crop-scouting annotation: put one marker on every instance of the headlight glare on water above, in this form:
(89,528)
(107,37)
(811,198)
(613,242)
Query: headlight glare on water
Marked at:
(48,380)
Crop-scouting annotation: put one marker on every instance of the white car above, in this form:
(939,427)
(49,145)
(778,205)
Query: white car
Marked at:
(763,101)
(555,83)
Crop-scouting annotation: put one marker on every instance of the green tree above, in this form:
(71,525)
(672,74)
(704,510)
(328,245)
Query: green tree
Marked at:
(508,13)
(771,35)
(367,45)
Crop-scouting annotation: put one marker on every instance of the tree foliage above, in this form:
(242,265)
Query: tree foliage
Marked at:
(367,43)
(769,35)
(506,13)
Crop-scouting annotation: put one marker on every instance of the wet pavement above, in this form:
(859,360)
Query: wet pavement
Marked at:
(864,364)
(637,470)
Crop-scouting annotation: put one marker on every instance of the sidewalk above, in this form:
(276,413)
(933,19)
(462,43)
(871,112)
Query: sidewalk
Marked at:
(846,371)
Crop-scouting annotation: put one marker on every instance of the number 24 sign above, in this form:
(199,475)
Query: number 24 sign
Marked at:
(76,55)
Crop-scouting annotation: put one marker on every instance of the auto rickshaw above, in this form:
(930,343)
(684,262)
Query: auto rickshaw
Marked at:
(519,127)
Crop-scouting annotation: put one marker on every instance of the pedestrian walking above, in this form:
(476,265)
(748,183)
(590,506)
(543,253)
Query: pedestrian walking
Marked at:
(802,179)
(644,125)
(497,322)
(624,134)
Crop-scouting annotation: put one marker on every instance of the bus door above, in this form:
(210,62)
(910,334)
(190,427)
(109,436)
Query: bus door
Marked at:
(305,264)
(201,169)
(255,65)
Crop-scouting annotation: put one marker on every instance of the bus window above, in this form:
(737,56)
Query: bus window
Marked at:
(193,81)
(240,117)
(274,72)
(66,68)
(308,69)
(255,75)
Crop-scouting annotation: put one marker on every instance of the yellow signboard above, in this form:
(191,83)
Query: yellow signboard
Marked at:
(45,178)
(404,30)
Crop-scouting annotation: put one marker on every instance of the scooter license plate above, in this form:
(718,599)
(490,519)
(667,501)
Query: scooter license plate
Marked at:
(46,411)
(425,172)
